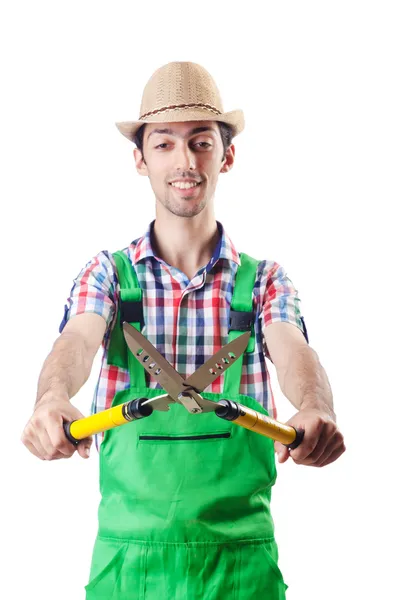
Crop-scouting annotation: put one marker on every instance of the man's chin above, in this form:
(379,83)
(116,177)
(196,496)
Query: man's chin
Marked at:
(186,209)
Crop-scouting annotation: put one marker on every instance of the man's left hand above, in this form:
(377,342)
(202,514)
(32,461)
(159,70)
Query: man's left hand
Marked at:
(322,442)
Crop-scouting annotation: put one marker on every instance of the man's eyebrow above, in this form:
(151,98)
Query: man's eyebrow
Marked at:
(191,132)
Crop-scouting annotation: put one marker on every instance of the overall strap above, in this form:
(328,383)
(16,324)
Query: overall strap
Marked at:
(130,310)
(242,318)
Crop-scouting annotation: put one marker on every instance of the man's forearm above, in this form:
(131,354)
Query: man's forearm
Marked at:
(65,369)
(305,382)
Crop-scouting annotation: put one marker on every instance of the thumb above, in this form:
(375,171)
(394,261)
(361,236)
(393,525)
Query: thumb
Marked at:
(282,452)
(83,447)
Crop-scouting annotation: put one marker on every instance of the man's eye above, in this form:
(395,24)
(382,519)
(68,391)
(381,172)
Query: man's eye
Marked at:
(202,144)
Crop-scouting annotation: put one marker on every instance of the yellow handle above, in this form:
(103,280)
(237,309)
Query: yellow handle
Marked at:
(260,423)
(107,419)
(264,425)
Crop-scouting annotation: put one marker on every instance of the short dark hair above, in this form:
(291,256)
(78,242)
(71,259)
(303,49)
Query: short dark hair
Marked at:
(225,130)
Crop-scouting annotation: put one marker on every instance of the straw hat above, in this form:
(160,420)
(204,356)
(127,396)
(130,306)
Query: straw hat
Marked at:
(181,91)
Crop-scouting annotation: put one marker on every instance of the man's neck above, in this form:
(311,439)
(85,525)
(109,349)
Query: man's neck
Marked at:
(185,243)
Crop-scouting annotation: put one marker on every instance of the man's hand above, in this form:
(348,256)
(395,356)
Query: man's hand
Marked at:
(44,435)
(322,443)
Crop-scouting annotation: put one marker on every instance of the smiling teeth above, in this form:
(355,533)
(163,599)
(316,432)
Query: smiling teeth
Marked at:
(183,186)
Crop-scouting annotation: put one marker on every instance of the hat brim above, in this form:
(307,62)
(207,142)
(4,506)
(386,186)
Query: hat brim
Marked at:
(234,118)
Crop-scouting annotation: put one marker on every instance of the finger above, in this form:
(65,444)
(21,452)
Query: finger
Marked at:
(278,446)
(50,453)
(35,441)
(32,448)
(333,443)
(32,436)
(282,452)
(327,441)
(27,439)
(58,438)
(313,433)
(283,455)
(83,448)
(334,455)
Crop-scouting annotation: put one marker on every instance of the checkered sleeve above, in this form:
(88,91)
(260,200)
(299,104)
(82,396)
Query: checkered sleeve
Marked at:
(93,290)
(280,299)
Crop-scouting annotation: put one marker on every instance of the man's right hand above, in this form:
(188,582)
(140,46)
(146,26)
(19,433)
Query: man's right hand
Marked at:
(44,435)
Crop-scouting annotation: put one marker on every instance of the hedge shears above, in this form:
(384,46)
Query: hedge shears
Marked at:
(183,391)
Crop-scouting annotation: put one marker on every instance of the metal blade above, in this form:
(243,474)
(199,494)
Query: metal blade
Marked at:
(219,363)
(160,402)
(164,402)
(153,361)
(169,378)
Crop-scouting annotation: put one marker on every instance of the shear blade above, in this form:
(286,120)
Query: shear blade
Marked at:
(163,403)
(160,402)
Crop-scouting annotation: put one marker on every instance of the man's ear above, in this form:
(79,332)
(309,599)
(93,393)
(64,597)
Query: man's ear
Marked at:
(140,163)
(228,161)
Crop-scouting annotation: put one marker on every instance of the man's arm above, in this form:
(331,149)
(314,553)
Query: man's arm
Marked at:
(304,382)
(89,311)
(300,374)
(69,364)
(64,372)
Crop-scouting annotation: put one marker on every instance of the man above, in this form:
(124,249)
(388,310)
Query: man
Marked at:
(185,510)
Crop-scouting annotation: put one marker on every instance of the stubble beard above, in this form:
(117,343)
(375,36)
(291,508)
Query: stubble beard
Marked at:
(185,207)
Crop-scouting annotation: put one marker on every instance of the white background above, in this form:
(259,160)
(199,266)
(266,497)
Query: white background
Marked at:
(313,187)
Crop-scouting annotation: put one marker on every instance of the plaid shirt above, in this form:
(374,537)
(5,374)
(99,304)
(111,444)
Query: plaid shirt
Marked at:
(186,320)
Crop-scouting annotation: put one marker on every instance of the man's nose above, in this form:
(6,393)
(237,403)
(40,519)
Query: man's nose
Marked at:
(185,158)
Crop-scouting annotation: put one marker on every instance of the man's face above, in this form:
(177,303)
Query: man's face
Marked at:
(187,153)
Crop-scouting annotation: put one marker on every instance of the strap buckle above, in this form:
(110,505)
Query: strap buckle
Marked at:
(131,311)
(241,320)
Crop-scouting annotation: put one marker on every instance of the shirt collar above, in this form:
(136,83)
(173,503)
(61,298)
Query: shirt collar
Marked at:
(142,248)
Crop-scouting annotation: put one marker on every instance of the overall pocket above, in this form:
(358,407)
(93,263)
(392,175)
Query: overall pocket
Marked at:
(271,552)
(106,567)
(260,576)
(184,438)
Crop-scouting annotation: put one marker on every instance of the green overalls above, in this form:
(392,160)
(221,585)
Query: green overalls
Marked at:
(185,508)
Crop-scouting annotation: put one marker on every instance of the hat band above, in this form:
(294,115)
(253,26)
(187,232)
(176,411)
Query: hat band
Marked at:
(180,107)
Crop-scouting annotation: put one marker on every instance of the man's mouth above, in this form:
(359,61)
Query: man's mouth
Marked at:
(185,188)
(185,185)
